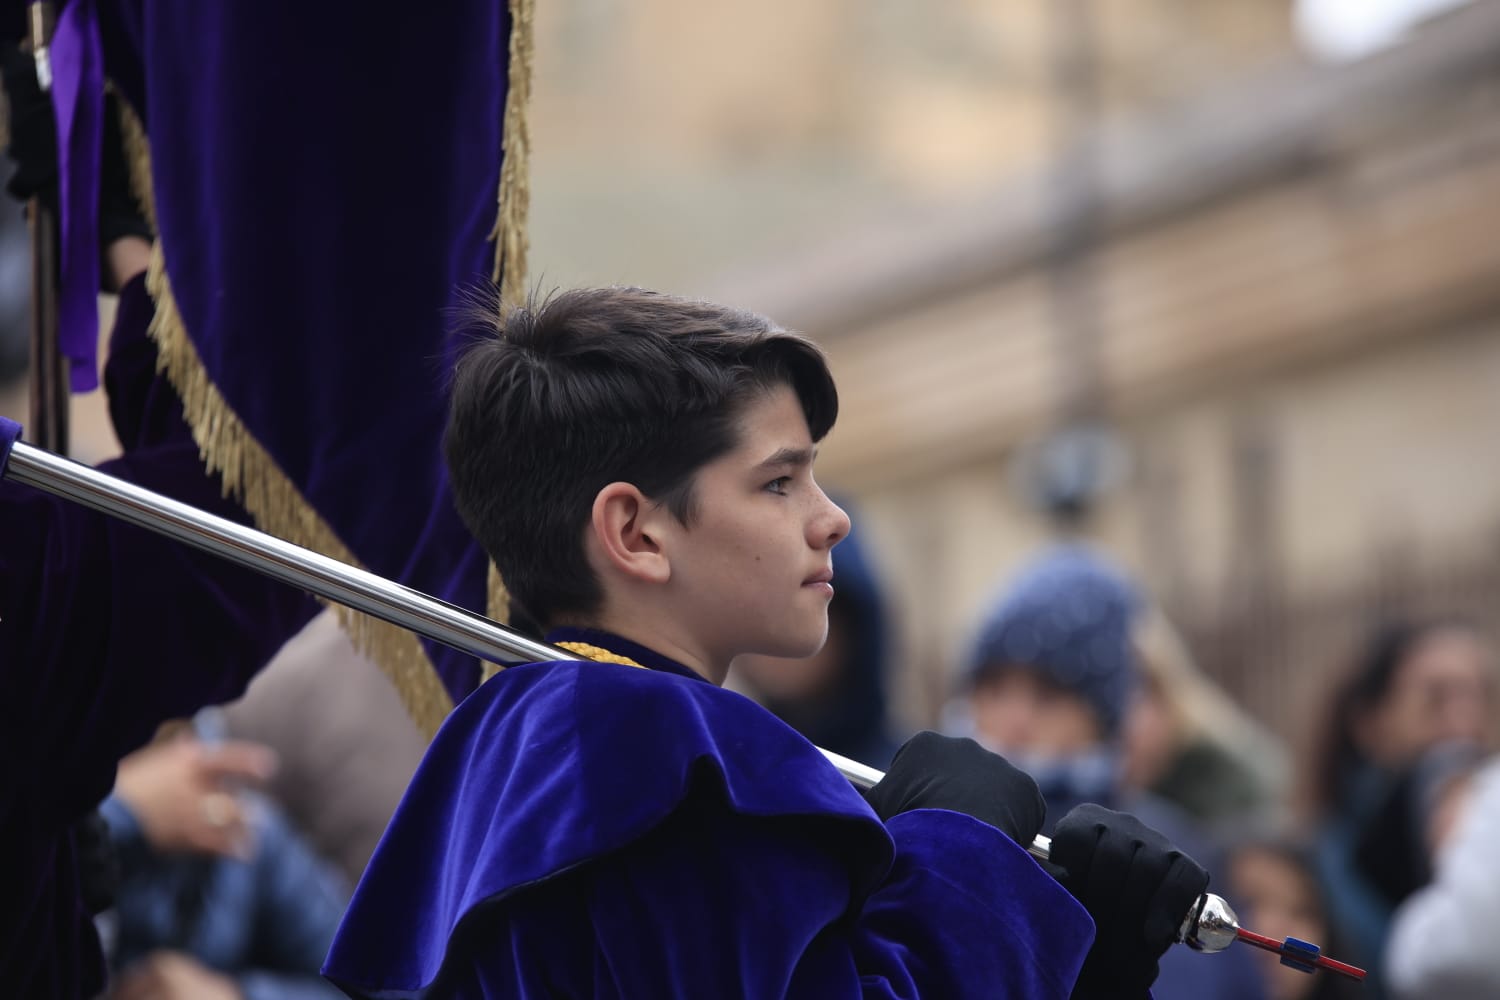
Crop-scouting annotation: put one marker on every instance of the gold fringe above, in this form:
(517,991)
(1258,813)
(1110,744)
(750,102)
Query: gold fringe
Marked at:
(137,158)
(252,476)
(515,184)
(509,234)
(249,472)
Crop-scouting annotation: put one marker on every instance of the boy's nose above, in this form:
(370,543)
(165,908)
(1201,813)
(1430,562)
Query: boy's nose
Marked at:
(835,525)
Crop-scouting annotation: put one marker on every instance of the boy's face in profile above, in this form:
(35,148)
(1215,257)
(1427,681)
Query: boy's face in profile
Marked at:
(752,574)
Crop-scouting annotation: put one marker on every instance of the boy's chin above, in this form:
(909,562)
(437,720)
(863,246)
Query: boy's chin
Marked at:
(795,647)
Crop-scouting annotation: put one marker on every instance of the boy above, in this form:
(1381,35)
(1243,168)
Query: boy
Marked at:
(640,467)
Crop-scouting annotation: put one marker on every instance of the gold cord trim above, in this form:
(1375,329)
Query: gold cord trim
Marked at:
(253,478)
(598,653)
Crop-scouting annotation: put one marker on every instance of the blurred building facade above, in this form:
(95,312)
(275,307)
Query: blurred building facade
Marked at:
(1285,305)
(1274,282)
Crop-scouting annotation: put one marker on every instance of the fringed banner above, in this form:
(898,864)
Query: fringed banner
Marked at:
(253,478)
(307,269)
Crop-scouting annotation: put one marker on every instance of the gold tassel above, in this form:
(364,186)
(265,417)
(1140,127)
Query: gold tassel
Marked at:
(509,233)
(252,476)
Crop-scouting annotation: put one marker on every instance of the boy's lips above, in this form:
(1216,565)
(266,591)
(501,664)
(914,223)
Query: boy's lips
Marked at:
(821,580)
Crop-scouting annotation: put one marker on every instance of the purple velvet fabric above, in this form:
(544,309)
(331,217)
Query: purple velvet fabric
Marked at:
(596,830)
(106,630)
(78,102)
(325,181)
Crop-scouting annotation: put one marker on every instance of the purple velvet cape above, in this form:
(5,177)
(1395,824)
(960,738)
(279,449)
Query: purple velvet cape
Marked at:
(325,180)
(106,630)
(597,830)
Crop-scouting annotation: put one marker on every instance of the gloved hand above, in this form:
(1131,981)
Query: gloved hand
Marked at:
(1138,888)
(33,131)
(944,772)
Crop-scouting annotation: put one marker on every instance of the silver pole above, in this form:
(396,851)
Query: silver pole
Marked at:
(312,571)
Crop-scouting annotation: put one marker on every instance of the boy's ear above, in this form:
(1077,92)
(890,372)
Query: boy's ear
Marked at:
(624,526)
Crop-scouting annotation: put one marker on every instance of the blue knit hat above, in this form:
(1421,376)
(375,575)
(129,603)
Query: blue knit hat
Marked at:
(1068,616)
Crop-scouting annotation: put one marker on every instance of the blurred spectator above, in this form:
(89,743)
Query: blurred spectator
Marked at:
(1187,742)
(1396,849)
(1047,684)
(1442,942)
(1049,678)
(1274,888)
(347,747)
(1418,685)
(835,698)
(217,897)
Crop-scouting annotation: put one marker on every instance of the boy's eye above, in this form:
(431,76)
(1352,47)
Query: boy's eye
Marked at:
(779,485)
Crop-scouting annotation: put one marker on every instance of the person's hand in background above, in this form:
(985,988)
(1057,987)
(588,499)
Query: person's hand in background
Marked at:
(182,793)
(172,975)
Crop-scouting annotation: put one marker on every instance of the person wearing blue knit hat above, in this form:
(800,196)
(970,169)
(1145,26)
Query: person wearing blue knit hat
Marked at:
(1051,672)
(1046,683)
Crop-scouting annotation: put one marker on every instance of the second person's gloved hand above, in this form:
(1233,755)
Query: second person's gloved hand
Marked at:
(945,772)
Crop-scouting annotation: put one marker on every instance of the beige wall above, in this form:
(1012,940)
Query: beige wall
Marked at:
(1396,445)
(1304,369)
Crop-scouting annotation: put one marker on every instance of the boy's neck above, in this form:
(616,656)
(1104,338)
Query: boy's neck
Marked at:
(661,639)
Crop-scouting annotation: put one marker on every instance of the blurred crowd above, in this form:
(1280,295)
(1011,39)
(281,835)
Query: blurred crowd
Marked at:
(1376,843)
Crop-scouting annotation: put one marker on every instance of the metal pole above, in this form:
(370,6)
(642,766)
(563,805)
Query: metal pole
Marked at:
(49,373)
(267,554)
(392,602)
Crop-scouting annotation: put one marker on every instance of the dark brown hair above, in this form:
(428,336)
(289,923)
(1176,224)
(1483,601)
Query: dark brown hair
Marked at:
(594,386)
(1337,757)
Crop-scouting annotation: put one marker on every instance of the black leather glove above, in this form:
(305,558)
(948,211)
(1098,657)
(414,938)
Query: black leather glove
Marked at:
(1138,888)
(945,772)
(33,148)
(33,132)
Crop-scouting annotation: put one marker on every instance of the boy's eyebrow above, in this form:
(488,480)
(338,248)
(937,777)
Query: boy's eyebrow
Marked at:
(790,456)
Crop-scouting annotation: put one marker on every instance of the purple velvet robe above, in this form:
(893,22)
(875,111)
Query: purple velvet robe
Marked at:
(598,830)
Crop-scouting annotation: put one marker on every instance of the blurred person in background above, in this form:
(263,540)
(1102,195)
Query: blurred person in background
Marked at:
(346,748)
(1274,888)
(218,898)
(837,697)
(1188,743)
(1418,685)
(1047,684)
(1442,941)
(1396,850)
